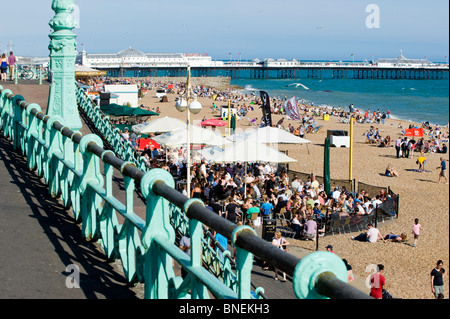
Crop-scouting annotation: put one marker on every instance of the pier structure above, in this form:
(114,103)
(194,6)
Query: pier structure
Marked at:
(317,71)
(134,63)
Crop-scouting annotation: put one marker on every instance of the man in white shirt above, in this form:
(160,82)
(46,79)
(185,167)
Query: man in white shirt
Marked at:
(314,183)
(359,209)
(372,235)
(295,184)
(377,201)
(336,193)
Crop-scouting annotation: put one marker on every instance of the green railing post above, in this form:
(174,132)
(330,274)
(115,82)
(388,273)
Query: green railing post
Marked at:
(312,266)
(91,177)
(62,99)
(158,264)
(33,135)
(198,290)
(244,264)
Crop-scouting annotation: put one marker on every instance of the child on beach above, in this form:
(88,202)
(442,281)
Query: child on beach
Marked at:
(416,231)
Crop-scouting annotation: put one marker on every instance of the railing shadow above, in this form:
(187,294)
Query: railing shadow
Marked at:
(97,277)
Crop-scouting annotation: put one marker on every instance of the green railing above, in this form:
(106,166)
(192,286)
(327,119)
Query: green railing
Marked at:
(70,165)
(211,257)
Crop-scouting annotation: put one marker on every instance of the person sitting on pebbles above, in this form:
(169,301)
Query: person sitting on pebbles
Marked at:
(395,238)
(390,171)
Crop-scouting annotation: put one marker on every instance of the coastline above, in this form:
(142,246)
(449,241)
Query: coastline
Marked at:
(407,268)
(417,107)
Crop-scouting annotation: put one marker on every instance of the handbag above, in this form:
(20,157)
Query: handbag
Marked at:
(386,294)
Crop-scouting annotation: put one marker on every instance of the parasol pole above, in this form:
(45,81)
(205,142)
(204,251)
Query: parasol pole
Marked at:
(229,117)
(350,171)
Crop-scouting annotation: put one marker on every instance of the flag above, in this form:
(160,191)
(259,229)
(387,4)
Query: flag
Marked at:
(267,114)
(291,108)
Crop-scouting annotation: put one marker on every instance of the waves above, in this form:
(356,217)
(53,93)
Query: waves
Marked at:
(409,100)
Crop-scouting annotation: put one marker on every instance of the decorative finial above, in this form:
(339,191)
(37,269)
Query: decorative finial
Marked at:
(63,19)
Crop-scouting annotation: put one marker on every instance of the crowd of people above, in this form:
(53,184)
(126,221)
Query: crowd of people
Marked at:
(267,191)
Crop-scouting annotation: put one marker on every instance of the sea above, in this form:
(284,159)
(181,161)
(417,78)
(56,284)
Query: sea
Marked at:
(416,101)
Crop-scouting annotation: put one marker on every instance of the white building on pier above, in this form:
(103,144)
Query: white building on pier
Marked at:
(130,58)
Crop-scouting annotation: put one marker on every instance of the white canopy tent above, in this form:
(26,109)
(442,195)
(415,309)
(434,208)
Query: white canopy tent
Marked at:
(269,135)
(159,125)
(245,152)
(198,135)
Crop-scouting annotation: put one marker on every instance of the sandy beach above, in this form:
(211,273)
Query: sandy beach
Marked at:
(407,268)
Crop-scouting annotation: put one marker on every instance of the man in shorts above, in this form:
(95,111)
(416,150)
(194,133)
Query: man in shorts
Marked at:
(443,172)
(421,161)
(12,65)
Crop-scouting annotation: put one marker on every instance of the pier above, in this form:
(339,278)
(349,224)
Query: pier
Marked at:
(305,70)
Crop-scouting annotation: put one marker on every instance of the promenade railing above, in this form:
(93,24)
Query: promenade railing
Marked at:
(70,165)
(215,258)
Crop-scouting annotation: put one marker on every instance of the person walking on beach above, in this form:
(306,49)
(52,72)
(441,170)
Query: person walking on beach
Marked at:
(12,65)
(443,172)
(377,283)
(437,279)
(398,145)
(416,231)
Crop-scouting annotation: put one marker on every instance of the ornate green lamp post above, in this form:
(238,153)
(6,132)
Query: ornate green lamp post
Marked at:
(62,99)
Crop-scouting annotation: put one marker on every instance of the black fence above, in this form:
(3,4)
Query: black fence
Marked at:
(333,224)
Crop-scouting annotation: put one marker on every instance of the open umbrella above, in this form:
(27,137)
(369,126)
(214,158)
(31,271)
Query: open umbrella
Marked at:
(244,152)
(160,125)
(198,135)
(213,122)
(269,135)
(414,132)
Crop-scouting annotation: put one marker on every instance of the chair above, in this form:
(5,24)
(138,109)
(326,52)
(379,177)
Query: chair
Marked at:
(345,223)
(370,140)
(335,226)
(317,129)
(252,122)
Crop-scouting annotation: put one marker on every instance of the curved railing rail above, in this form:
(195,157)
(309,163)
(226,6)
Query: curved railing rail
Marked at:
(70,166)
(213,255)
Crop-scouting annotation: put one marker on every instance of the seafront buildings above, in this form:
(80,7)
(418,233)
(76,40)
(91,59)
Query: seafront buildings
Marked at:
(135,63)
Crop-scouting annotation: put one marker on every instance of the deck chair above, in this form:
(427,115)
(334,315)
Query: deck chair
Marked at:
(370,140)
(345,224)
(215,109)
(317,129)
(252,122)
(335,226)
(344,120)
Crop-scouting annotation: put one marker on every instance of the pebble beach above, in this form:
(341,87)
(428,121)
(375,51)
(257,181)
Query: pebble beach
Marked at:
(407,268)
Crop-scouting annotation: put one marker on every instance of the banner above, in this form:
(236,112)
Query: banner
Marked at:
(291,108)
(414,132)
(267,114)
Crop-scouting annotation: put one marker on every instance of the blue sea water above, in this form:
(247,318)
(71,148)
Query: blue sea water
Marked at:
(409,100)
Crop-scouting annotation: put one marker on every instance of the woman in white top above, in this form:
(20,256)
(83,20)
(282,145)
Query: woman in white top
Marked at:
(281,243)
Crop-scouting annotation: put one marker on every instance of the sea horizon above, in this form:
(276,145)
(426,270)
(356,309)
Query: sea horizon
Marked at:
(414,101)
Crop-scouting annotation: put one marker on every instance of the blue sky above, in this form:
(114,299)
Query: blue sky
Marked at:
(305,30)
